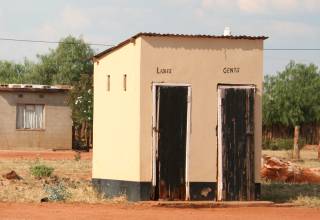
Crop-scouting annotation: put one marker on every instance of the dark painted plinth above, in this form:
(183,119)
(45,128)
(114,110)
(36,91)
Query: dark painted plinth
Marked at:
(257,191)
(134,191)
(202,191)
(142,191)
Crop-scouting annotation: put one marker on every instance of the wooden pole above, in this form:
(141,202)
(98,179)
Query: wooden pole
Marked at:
(82,131)
(296,150)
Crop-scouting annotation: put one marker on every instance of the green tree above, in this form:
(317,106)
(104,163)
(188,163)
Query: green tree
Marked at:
(11,72)
(291,98)
(43,71)
(81,102)
(65,64)
(74,59)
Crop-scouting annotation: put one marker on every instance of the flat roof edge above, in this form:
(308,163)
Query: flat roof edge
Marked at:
(34,88)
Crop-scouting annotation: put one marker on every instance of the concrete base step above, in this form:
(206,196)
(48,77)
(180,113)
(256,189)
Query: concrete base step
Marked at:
(209,204)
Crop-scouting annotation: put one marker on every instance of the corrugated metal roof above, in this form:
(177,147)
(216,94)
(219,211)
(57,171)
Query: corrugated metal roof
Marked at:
(233,37)
(33,88)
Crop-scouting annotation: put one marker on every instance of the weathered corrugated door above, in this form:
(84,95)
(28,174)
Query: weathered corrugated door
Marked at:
(171,125)
(236,143)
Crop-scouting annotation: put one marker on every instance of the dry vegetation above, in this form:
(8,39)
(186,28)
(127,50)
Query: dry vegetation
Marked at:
(308,157)
(299,194)
(74,175)
(309,201)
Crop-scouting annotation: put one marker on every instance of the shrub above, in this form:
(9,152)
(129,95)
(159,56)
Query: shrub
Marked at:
(57,192)
(40,171)
(280,144)
(77,156)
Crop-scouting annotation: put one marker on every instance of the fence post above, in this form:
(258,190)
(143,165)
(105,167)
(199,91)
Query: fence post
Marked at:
(296,150)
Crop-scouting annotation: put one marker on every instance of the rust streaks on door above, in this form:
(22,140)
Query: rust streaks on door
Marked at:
(171,155)
(237,144)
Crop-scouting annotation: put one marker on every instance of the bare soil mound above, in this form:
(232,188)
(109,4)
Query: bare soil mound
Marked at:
(280,170)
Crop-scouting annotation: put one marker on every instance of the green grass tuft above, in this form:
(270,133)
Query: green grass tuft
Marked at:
(40,171)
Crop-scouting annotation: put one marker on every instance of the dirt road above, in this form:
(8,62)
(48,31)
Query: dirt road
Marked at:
(46,155)
(15,211)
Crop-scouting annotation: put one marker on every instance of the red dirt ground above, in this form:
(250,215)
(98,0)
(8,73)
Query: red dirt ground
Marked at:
(46,155)
(15,211)
(52,211)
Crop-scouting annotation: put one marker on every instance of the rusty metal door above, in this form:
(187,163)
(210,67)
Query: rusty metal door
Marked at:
(171,125)
(236,143)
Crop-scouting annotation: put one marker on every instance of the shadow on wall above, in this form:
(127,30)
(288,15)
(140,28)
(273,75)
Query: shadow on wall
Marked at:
(204,44)
(52,99)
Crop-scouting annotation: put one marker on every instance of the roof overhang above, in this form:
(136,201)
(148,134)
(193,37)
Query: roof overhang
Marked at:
(131,39)
(34,88)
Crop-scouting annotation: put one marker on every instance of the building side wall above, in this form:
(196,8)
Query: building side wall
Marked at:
(116,121)
(57,132)
(199,62)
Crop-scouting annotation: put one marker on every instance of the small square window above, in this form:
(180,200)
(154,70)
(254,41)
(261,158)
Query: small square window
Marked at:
(30,116)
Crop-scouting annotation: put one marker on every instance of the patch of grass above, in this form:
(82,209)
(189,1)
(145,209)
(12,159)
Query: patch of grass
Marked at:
(308,157)
(297,193)
(75,176)
(280,143)
(289,192)
(83,191)
(40,171)
(309,201)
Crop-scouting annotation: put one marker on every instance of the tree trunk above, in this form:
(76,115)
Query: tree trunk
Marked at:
(82,131)
(85,132)
(90,137)
(296,150)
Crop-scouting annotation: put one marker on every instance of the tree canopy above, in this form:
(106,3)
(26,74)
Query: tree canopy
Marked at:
(11,72)
(62,65)
(292,97)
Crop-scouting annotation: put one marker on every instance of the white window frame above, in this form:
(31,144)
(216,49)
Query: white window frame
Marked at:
(30,129)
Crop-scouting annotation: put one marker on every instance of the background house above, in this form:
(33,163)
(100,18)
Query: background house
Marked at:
(34,117)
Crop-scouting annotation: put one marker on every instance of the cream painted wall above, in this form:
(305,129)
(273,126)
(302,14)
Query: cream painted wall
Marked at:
(198,62)
(116,121)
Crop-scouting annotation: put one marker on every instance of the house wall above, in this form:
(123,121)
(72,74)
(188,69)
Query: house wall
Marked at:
(199,62)
(57,133)
(116,120)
